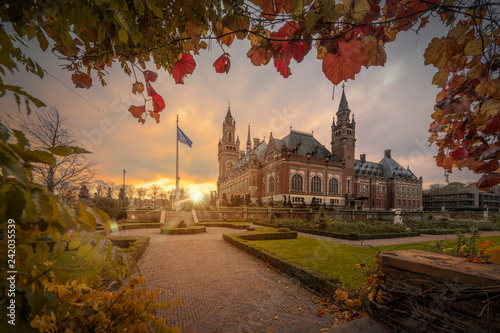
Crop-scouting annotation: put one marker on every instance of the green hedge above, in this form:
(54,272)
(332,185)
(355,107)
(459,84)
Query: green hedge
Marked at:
(128,226)
(183,231)
(223,225)
(308,277)
(355,236)
(256,235)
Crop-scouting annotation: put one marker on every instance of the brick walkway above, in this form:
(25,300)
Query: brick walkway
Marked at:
(223,289)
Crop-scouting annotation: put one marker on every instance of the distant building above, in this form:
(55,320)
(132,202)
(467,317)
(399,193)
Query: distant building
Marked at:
(465,198)
(298,170)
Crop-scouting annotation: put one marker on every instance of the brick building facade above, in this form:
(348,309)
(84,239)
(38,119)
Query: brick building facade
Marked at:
(298,169)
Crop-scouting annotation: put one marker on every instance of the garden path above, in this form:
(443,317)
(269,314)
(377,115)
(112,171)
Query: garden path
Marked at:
(223,289)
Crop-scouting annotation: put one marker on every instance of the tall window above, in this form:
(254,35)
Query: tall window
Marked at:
(297,182)
(333,186)
(271,184)
(348,186)
(229,136)
(316,184)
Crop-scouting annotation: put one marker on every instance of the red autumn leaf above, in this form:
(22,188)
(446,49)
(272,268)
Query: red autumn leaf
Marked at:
(487,167)
(489,153)
(155,115)
(158,103)
(222,64)
(281,62)
(300,50)
(82,80)
(150,89)
(285,4)
(487,181)
(182,67)
(150,76)
(459,154)
(448,164)
(347,63)
(137,111)
(259,55)
(321,313)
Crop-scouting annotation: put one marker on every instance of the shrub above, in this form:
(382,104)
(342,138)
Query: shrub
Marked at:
(283,230)
(182,224)
(110,206)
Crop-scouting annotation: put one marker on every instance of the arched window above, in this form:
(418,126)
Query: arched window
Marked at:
(229,137)
(333,186)
(316,184)
(271,184)
(297,182)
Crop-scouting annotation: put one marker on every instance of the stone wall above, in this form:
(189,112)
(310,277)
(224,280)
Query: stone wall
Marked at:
(307,214)
(428,292)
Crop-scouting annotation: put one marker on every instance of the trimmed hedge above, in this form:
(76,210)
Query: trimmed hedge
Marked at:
(183,231)
(256,235)
(134,246)
(308,277)
(128,226)
(223,225)
(355,236)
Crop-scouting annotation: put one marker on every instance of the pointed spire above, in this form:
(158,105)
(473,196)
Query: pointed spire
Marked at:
(248,140)
(353,121)
(229,115)
(333,122)
(238,138)
(343,101)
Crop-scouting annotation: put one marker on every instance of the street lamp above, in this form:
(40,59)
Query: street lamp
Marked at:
(124,172)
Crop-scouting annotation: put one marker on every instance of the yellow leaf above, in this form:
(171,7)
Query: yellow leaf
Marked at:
(349,303)
(490,87)
(494,253)
(440,78)
(491,107)
(375,51)
(478,71)
(361,9)
(137,88)
(474,48)
(440,51)
(74,244)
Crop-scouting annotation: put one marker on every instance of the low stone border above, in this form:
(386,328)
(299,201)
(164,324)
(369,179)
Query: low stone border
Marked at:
(183,231)
(308,277)
(224,225)
(127,226)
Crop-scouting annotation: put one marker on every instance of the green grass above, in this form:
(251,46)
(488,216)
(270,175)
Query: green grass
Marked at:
(339,260)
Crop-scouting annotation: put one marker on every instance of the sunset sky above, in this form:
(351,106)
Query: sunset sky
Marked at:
(392,107)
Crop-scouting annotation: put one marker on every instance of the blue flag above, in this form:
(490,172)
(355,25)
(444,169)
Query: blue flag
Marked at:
(183,137)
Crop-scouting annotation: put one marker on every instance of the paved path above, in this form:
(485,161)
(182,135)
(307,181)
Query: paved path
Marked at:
(223,289)
(393,241)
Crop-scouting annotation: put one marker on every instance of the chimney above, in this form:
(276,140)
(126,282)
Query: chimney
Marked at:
(256,142)
(387,153)
(362,157)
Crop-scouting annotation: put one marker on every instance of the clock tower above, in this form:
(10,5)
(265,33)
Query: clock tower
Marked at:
(229,145)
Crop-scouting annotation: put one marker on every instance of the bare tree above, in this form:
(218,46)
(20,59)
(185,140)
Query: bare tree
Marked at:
(141,193)
(46,129)
(153,190)
(99,188)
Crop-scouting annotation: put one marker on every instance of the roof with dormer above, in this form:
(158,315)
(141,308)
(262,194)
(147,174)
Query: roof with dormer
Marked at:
(387,168)
(302,143)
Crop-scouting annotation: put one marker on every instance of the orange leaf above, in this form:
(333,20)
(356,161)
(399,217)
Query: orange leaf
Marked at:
(222,64)
(321,313)
(82,80)
(484,245)
(137,111)
(440,50)
(267,7)
(155,115)
(376,53)
(494,253)
(345,64)
(194,30)
(259,55)
(182,67)
(138,88)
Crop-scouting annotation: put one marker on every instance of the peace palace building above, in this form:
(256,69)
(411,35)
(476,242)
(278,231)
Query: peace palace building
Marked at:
(298,169)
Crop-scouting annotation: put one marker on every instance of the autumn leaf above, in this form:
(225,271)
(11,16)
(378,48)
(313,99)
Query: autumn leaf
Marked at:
(321,313)
(194,28)
(300,49)
(222,64)
(282,62)
(138,88)
(375,51)
(150,89)
(150,76)
(182,67)
(346,64)
(484,245)
(137,111)
(440,51)
(259,55)
(459,154)
(286,5)
(155,115)
(494,253)
(487,181)
(267,7)
(82,80)
(158,103)
(440,78)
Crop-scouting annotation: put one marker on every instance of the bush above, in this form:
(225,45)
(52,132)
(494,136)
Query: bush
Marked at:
(283,230)
(182,224)
(182,231)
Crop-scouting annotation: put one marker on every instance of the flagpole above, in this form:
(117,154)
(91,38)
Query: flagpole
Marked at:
(176,205)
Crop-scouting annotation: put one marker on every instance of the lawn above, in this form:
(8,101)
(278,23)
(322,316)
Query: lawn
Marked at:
(339,260)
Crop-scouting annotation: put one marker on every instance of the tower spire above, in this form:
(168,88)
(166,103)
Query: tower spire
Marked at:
(229,115)
(249,143)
